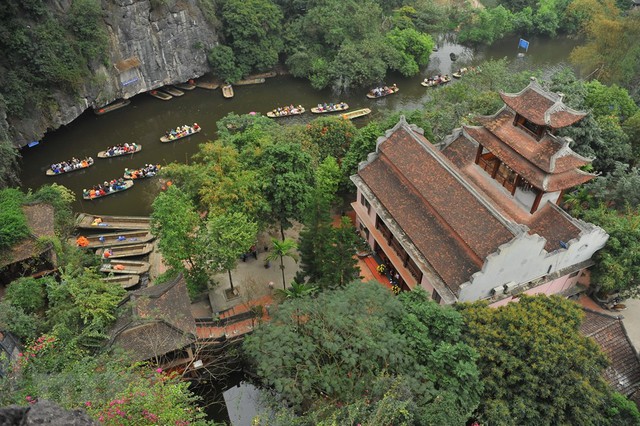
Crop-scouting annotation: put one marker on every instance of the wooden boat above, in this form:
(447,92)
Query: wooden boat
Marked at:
(137,173)
(127,251)
(112,106)
(160,95)
(185,86)
(172,91)
(126,281)
(113,239)
(180,135)
(459,73)
(268,74)
(125,267)
(89,163)
(249,81)
(104,154)
(295,111)
(227,91)
(336,108)
(127,184)
(356,113)
(432,83)
(90,221)
(209,85)
(392,90)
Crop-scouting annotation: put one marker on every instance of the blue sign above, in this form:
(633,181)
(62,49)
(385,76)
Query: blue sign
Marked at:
(524,44)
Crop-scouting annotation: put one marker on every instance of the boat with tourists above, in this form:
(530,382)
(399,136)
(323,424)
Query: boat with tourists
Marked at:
(69,166)
(120,150)
(160,95)
(180,132)
(129,267)
(126,281)
(286,111)
(90,221)
(436,81)
(227,91)
(189,85)
(112,239)
(356,113)
(125,251)
(112,106)
(149,170)
(107,188)
(324,108)
(382,91)
(172,91)
(460,73)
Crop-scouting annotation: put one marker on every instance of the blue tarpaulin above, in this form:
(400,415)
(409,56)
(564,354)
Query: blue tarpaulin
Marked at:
(524,44)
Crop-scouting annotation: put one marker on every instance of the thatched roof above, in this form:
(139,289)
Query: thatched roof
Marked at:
(41,224)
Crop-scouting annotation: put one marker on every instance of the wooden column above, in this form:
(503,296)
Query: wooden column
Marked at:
(536,202)
(496,166)
(478,154)
(515,184)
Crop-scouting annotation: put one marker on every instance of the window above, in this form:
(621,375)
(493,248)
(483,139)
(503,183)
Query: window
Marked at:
(574,274)
(435,296)
(365,203)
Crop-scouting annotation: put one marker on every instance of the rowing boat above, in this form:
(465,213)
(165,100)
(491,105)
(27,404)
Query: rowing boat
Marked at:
(335,108)
(356,113)
(295,111)
(391,91)
(182,134)
(112,106)
(459,73)
(209,85)
(126,185)
(249,81)
(88,162)
(126,281)
(432,83)
(172,91)
(89,221)
(185,86)
(160,95)
(139,174)
(126,251)
(227,91)
(125,267)
(113,239)
(105,154)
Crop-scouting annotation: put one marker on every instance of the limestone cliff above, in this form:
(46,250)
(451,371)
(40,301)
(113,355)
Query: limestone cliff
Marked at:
(152,43)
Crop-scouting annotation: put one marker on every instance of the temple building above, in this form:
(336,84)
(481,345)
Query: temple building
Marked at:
(476,217)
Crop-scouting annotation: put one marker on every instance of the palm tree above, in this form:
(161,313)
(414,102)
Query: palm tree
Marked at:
(297,291)
(282,249)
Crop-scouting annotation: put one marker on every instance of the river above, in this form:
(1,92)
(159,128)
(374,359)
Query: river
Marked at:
(147,118)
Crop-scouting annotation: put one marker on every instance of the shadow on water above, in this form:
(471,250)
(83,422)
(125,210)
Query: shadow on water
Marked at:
(147,118)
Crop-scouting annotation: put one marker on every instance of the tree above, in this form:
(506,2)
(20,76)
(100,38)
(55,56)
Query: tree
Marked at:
(487,26)
(332,135)
(280,250)
(229,236)
(223,64)
(297,291)
(535,365)
(337,264)
(27,293)
(413,48)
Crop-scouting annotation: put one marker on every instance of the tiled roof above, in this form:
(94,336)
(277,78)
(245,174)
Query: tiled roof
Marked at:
(542,107)
(609,333)
(529,171)
(549,154)
(554,226)
(40,222)
(440,213)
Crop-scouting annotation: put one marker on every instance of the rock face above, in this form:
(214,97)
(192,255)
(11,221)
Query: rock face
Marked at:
(43,413)
(149,47)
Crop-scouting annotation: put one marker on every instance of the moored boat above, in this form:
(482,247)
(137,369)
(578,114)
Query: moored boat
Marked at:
(286,111)
(356,113)
(180,132)
(248,81)
(90,221)
(69,166)
(112,239)
(186,86)
(125,267)
(324,108)
(160,95)
(120,150)
(172,91)
(227,91)
(102,191)
(149,170)
(125,251)
(436,81)
(381,92)
(209,85)
(112,106)
(459,73)
(126,281)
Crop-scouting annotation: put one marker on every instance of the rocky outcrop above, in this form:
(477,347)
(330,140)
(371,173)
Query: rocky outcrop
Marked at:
(43,413)
(149,47)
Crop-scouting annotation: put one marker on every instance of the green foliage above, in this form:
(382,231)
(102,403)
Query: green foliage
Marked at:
(61,199)
(535,365)
(332,135)
(487,26)
(609,101)
(223,64)
(622,411)
(631,128)
(9,157)
(280,250)
(27,293)
(15,320)
(412,47)
(13,222)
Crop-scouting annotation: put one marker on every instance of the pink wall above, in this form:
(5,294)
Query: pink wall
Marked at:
(552,287)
